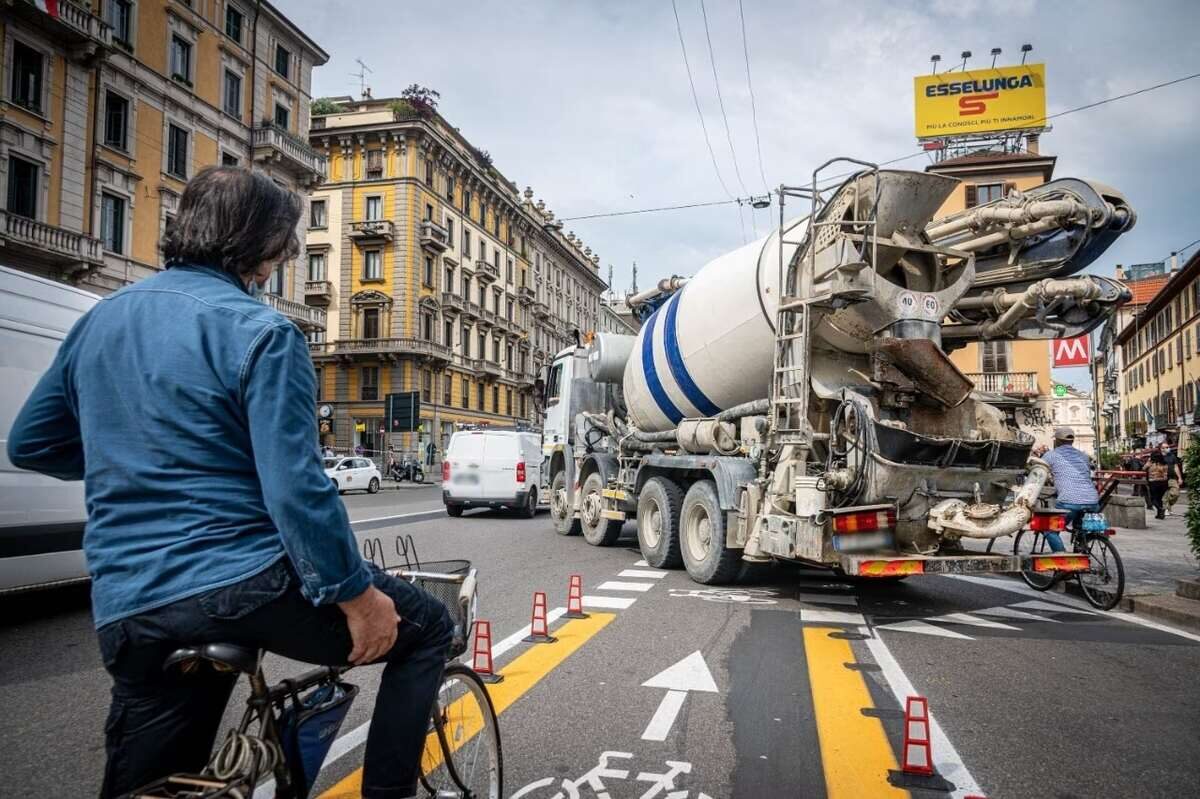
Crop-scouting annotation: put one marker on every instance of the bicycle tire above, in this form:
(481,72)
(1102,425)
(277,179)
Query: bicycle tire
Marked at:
(1105,594)
(1038,581)
(461,721)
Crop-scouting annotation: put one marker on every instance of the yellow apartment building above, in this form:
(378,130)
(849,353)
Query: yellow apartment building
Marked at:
(1160,359)
(1018,369)
(438,275)
(108,107)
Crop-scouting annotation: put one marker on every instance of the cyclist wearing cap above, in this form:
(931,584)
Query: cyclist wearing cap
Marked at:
(1072,479)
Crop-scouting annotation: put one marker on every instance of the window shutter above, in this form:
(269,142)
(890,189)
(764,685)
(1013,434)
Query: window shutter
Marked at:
(971,201)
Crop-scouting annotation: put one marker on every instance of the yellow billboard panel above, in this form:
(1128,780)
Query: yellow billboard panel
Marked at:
(980,101)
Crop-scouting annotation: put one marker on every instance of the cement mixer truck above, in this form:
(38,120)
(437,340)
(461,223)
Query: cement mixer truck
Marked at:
(794,400)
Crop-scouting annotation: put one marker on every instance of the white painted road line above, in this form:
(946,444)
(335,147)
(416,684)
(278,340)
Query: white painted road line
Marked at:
(617,585)
(828,599)
(945,756)
(1038,604)
(664,718)
(967,618)
(689,674)
(653,575)
(830,617)
(398,516)
(921,627)
(641,563)
(1002,612)
(612,602)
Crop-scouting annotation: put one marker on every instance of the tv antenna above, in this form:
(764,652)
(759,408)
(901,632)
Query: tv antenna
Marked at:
(363,71)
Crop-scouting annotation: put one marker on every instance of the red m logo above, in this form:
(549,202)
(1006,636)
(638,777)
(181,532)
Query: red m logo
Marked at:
(1071,351)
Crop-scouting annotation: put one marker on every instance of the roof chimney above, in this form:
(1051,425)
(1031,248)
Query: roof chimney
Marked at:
(1119,274)
(1174,262)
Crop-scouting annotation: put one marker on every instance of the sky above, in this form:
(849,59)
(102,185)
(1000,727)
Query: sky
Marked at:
(589,102)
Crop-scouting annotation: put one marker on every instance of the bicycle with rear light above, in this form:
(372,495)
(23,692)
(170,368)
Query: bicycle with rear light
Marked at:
(1102,583)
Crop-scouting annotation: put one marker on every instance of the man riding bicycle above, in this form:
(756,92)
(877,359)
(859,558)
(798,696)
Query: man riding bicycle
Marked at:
(1072,480)
(210,518)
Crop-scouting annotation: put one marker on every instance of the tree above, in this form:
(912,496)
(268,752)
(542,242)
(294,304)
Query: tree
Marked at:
(1191,477)
(323,105)
(422,100)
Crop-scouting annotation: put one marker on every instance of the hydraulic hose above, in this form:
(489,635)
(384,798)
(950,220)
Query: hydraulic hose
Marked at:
(955,518)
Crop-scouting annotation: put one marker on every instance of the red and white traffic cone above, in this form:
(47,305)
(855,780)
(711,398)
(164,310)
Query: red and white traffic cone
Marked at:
(481,653)
(918,754)
(539,628)
(575,598)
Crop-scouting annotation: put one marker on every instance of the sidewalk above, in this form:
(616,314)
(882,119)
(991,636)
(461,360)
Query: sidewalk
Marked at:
(388,484)
(1154,559)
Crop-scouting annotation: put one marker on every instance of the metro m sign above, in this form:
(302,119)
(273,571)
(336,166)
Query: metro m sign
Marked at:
(1071,351)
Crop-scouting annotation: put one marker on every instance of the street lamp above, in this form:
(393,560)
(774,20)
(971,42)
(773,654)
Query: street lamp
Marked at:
(759,203)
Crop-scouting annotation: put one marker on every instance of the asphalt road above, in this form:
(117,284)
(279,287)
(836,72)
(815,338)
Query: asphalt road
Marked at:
(795,691)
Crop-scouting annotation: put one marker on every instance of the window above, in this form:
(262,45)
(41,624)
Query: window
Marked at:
(481,395)
(466,288)
(496,350)
(233,23)
(482,215)
(984,193)
(482,296)
(495,399)
(283,60)
(447,387)
(177,152)
(374,208)
(275,284)
(318,373)
(466,341)
(370,327)
(448,285)
(427,327)
(373,265)
(482,249)
(523,406)
(482,341)
(369,385)
(466,393)
(509,313)
(282,116)
(508,406)
(27,70)
(450,231)
(466,243)
(316,266)
(316,213)
(22,187)
(374,164)
(450,188)
(428,212)
(466,203)
(426,386)
(112,222)
(552,384)
(510,271)
(428,172)
(993,356)
(116,121)
(233,94)
(181,60)
(508,359)
(118,14)
(229,159)
(448,333)
(428,271)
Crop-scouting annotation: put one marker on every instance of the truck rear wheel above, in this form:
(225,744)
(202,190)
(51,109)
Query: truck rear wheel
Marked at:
(658,522)
(560,506)
(597,531)
(702,537)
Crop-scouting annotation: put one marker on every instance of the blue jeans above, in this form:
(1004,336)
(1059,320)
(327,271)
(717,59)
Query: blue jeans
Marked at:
(163,723)
(1074,519)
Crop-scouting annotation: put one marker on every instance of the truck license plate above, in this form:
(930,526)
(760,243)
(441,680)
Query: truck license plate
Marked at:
(466,480)
(861,542)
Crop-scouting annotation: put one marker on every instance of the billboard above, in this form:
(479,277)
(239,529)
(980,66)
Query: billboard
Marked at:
(1071,351)
(980,101)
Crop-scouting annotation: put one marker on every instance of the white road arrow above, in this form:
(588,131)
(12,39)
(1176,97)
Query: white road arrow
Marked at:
(689,674)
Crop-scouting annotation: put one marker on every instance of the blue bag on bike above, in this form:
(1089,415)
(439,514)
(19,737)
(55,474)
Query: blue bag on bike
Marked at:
(309,725)
(1094,523)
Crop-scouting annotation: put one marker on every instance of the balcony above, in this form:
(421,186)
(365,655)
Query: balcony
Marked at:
(487,368)
(471,310)
(489,316)
(452,302)
(1013,384)
(370,231)
(487,271)
(318,292)
(348,349)
(276,145)
(541,310)
(526,295)
(48,244)
(83,33)
(304,316)
(434,237)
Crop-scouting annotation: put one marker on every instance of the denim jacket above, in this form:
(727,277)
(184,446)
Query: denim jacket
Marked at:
(186,407)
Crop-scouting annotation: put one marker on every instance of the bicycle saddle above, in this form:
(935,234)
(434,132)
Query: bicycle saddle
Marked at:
(223,657)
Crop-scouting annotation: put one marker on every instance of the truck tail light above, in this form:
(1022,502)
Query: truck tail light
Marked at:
(445,471)
(520,471)
(864,521)
(1048,522)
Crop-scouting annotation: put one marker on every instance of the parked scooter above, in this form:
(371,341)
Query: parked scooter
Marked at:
(408,468)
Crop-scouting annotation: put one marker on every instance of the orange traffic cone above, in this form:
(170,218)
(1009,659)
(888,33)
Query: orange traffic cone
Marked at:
(481,653)
(539,628)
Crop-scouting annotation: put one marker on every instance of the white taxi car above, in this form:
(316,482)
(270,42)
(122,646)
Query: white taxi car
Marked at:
(353,474)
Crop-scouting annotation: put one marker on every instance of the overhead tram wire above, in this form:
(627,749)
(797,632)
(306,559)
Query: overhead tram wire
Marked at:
(916,154)
(712,60)
(762,173)
(700,115)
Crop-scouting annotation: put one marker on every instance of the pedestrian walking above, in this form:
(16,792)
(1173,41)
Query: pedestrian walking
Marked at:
(1174,477)
(1156,474)
(430,451)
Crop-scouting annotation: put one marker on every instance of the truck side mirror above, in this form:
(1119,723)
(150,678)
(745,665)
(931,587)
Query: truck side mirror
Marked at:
(539,390)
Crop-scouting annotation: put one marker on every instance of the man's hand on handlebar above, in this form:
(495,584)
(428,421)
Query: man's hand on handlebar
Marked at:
(372,619)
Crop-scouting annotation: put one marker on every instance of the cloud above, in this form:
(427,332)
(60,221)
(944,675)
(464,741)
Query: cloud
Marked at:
(589,103)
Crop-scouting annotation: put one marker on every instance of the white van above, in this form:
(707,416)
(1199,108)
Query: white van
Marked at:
(492,469)
(41,518)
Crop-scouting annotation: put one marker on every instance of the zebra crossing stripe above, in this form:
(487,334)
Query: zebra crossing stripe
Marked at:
(921,627)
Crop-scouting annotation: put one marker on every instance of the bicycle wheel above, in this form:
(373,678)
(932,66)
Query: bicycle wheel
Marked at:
(462,756)
(1027,544)
(1103,583)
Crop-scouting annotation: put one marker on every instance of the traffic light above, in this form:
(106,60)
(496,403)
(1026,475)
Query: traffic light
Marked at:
(402,412)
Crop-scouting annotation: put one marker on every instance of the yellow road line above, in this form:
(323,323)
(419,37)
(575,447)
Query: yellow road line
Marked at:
(855,752)
(520,675)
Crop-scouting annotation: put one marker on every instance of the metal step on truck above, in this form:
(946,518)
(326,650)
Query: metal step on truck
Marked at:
(794,400)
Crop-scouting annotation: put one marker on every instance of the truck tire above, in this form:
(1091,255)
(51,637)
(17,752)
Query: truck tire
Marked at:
(560,510)
(702,537)
(597,531)
(658,522)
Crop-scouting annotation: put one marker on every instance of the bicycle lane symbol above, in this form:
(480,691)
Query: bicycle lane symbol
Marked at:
(661,784)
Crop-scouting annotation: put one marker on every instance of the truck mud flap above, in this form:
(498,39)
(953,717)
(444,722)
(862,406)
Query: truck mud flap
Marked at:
(865,565)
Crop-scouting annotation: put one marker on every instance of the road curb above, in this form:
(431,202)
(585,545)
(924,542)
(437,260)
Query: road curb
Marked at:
(1167,607)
